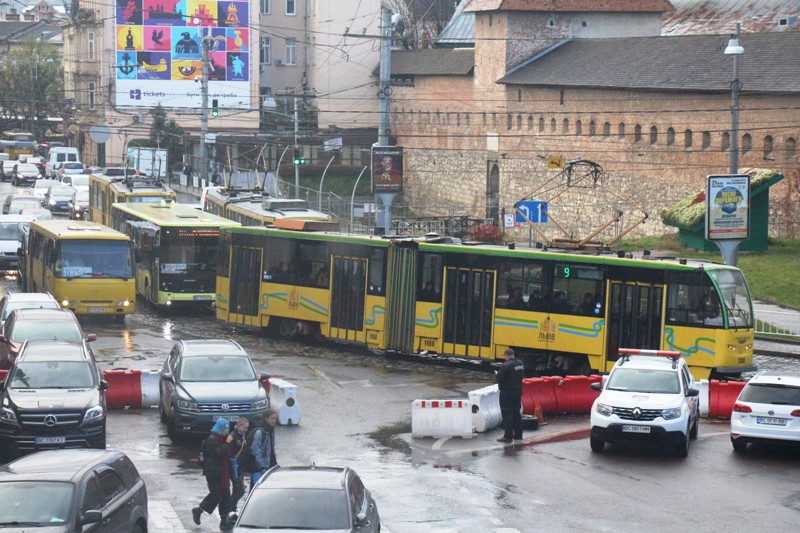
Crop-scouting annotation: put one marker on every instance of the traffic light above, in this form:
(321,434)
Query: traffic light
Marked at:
(298,157)
(214,108)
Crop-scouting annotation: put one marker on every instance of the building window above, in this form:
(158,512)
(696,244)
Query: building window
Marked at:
(607,129)
(592,128)
(266,51)
(578,127)
(768,147)
(706,140)
(530,123)
(541,124)
(747,143)
(637,134)
(466,120)
(552,125)
(621,130)
(565,126)
(670,136)
(519,122)
(265,7)
(687,139)
(291,7)
(791,149)
(91,95)
(653,135)
(509,122)
(726,141)
(91,45)
(291,51)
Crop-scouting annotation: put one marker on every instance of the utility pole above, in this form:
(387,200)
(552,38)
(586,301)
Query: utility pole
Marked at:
(204,111)
(383,95)
(296,166)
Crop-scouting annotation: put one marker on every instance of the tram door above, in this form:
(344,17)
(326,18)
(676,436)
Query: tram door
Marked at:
(468,312)
(634,318)
(348,292)
(245,285)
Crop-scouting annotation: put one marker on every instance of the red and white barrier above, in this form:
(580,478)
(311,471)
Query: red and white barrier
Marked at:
(283,400)
(441,418)
(485,408)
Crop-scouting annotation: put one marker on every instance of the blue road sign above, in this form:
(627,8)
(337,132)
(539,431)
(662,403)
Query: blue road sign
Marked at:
(536,212)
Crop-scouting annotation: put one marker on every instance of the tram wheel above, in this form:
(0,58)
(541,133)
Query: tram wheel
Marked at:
(287,328)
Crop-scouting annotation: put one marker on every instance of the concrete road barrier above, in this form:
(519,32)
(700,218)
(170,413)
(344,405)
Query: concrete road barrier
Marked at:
(441,418)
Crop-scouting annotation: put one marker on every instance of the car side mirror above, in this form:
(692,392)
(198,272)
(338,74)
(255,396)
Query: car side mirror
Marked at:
(264,375)
(91,517)
(168,377)
(103,384)
(596,386)
(91,337)
(693,392)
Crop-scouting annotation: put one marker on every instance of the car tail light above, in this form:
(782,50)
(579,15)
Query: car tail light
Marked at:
(742,408)
(796,412)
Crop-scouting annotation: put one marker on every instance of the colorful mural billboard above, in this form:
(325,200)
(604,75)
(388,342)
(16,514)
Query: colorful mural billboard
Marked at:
(159,52)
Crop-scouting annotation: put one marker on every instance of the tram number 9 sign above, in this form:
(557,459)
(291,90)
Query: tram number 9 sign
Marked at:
(728,207)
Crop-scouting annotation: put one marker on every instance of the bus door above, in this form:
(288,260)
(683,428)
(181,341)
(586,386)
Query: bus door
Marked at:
(634,318)
(348,294)
(468,312)
(245,285)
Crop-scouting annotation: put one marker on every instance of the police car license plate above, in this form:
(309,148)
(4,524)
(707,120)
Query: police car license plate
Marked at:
(636,429)
(229,418)
(50,440)
(771,421)
(97,309)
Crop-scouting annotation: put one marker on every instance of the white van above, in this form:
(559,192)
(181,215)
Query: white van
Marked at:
(62,154)
(11,232)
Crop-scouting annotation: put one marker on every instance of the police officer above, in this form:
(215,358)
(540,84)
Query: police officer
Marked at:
(509,381)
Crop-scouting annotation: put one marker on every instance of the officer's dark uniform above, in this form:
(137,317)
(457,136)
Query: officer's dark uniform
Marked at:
(509,381)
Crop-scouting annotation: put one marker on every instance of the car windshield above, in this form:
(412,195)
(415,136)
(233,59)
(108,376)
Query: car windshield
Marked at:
(35,502)
(62,193)
(770,394)
(644,380)
(10,231)
(79,181)
(52,375)
(81,198)
(27,168)
(73,165)
(18,204)
(27,305)
(296,509)
(217,368)
(37,330)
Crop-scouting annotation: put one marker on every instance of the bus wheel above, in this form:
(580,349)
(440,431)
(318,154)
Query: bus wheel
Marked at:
(287,328)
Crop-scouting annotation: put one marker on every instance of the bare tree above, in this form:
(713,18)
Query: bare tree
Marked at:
(422,20)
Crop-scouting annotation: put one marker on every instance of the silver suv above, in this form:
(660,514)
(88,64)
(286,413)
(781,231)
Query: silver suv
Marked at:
(649,395)
(205,380)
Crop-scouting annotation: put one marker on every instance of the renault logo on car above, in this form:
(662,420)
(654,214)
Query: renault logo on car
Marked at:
(637,413)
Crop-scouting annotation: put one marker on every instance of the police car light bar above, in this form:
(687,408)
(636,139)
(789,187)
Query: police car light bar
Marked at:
(658,353)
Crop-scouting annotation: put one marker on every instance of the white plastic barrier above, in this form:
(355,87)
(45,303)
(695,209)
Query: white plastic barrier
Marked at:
(150,393)
(485,408)
(283,400)
(441,418)
(703,386)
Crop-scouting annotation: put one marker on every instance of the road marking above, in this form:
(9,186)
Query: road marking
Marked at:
(162,517)
(323,375)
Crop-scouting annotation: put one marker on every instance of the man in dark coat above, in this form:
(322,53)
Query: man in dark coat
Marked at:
(509,382)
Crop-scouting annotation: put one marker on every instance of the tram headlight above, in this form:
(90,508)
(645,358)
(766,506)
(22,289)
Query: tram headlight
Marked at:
(65,303)
(123,303)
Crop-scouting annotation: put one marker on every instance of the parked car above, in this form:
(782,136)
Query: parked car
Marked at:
(11,235)
(25,174)
(646,397)
(310,498)
(41,187)
(205,380)
(54,396)
(69,167)
(38,324)
(15,202)
(767,410)
(25,300)
(79,205)
(79,181)
(69,491)
(38,213)
(58,197)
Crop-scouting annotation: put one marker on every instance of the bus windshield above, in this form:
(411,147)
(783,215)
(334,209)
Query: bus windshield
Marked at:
(184,251)
(94,258)
(152,199)
(735,297)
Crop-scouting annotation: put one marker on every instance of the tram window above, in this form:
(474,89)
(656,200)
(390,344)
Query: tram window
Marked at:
(223,251)
(429,283)
(377,273)
(519,285)
(278,255)
(577,290)
(310,264)
(693,300)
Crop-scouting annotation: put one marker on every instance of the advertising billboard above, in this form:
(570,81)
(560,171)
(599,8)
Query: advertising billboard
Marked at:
(159,52)
(387,169)
(728,207)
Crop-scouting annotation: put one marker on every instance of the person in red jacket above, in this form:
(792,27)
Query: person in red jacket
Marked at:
(217,470)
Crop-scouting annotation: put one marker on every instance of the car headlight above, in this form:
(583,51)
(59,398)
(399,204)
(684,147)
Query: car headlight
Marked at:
(603,409)
(51,202)
(93,413)
(187,405)
(260,404)
(670,414)
(7,416)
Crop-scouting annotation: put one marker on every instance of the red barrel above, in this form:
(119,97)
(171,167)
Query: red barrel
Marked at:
(124,388)
(721,397)
(541,392)
(575,395)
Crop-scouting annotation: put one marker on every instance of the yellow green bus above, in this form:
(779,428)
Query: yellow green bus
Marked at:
(105,190)
(86,266)
(17,143)
(175,249)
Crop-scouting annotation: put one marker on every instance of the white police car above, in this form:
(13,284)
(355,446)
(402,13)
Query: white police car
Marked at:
(649,395)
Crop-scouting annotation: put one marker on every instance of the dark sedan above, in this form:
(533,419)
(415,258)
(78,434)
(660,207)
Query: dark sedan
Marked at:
(25,174)
(58,198)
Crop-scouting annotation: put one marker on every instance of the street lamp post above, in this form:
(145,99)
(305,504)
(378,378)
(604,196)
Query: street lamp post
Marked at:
(735,49)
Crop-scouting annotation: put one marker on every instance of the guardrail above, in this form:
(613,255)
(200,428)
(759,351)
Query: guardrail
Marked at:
(778,323)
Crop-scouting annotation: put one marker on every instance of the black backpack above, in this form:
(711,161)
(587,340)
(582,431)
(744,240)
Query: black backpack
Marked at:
(246,458)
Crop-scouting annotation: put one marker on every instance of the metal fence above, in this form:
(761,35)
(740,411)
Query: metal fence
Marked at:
(778,323)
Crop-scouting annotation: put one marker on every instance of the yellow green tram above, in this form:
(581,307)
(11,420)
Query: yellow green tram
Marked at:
(254,208)
(563,313)
(107,190)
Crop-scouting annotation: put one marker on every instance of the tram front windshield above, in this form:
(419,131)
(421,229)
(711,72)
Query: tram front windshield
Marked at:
(735,297)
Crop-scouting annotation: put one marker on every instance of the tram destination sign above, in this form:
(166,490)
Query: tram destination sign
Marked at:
(728,207)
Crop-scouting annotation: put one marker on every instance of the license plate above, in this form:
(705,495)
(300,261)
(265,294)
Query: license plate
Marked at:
(636,429)
(229,418)
(97,309)
(771,421)
(202,297)
(50,440)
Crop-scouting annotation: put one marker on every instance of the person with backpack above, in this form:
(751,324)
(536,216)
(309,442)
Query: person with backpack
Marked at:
(239,453)
(263,446)
(217,469)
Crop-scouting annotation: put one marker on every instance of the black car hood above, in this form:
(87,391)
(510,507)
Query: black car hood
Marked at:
(39,399)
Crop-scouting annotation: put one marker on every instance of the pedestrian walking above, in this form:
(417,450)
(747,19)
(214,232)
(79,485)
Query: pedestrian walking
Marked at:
(238,445)
(263,446)
(217,470)
(509,382)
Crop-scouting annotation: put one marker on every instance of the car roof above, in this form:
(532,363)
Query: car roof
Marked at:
(777,377)
(15,195)
(30,297)
(44,314)
(55,465)
(211,347)
(49,350)
(647,362)
(307,477)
